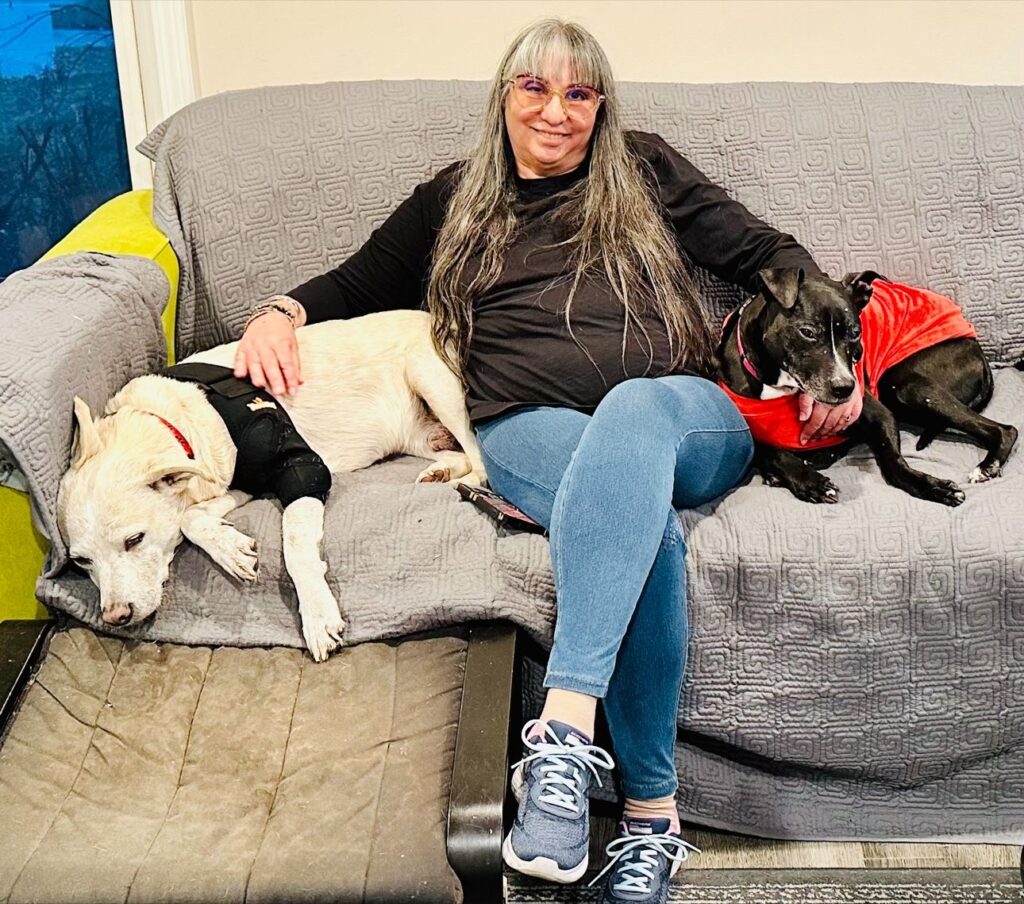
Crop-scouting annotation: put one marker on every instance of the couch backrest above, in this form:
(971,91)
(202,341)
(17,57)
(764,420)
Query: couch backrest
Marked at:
(262,189)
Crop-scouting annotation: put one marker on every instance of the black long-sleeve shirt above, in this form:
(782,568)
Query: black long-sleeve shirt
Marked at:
(521,352)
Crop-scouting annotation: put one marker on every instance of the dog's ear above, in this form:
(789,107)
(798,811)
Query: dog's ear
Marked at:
(782,284)
(864,276)
(174,478)
(87,440)
(859,285)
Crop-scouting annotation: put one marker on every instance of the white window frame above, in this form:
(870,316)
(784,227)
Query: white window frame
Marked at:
(153,45)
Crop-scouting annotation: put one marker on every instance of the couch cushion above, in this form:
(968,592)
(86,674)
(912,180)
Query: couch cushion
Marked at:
(261,189)
(144,772)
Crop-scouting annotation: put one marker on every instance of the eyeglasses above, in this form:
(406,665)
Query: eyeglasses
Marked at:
(535,93)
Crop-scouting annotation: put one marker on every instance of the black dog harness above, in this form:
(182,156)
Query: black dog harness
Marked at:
(272,455)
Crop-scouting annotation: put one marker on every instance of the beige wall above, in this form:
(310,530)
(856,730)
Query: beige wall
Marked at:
(242,43)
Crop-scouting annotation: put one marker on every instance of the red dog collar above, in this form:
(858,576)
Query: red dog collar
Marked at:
(178,435)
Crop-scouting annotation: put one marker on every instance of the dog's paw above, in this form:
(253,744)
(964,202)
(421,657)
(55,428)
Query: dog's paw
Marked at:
(323,637)
(322,624)
(944,491)
(981,474)
(450,466)
(235,552)
(472,479)
(436,473)
(814,487)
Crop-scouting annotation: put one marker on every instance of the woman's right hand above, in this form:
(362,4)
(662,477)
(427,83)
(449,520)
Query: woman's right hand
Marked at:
(269,354)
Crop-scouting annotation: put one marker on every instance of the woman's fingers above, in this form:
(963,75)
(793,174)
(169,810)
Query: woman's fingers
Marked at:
(806,404)
(856,407)
(817,417)
(256,376)
(269,353)
(835,421)
(241,365)
(289,372)
(274,380)
(297,360)
(825,420)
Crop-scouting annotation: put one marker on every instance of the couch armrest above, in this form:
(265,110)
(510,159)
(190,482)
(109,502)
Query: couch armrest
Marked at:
(480,770)
(124,225)
(81,324)
(22,554)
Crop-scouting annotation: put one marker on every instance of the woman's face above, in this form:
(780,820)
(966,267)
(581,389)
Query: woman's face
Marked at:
(546,140)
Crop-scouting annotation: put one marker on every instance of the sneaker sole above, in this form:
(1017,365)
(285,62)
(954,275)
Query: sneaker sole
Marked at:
(517,783)
(541,867)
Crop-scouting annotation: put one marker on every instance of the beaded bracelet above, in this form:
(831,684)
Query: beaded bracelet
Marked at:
(265,307)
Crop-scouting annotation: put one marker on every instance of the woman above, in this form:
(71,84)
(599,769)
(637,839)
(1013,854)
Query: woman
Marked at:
(550,263)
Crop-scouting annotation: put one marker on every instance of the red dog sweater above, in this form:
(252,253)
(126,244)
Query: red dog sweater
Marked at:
(897,322)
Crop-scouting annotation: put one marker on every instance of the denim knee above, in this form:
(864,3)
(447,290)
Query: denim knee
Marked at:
(673,534)
(640,398)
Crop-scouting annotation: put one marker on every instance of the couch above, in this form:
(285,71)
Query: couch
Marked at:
(855,671)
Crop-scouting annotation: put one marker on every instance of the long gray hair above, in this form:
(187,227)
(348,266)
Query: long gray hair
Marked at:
(614,225)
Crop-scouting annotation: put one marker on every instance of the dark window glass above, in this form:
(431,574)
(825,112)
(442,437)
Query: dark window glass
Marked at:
(62,144)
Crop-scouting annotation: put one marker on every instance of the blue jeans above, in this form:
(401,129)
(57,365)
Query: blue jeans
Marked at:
(607,486)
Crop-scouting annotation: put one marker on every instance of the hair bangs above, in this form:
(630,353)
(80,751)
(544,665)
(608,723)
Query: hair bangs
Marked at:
(549,45)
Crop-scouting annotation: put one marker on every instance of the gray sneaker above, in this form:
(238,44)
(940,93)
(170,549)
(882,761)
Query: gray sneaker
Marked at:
(550,836)
(645,857)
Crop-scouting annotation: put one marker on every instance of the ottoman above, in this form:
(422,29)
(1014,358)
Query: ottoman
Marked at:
(156,772)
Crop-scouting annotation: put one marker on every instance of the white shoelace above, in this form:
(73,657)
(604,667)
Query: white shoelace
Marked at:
(638,875)
(560,772)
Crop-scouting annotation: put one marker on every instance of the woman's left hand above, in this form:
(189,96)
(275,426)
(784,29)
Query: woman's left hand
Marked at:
(821,421)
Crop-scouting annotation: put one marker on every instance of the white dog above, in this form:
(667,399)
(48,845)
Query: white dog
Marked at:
(160,465)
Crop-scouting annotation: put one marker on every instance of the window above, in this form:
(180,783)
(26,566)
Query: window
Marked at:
(62,138)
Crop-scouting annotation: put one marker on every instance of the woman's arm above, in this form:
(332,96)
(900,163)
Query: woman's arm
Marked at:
(716,231)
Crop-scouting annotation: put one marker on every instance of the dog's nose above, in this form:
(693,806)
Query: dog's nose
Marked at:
(119,615)
(842,390)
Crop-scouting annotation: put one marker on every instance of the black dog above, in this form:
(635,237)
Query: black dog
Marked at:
(804,335)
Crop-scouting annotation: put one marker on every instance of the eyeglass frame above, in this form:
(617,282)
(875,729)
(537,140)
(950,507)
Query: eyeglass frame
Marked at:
(554,92)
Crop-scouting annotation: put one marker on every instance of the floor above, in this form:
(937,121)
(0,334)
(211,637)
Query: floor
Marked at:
(734,869)
(723,850)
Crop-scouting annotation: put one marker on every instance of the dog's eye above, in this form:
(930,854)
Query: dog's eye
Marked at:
(809,333)
(81,561)
(133,540)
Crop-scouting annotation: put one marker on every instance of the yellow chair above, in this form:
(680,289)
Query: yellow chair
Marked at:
(124,225)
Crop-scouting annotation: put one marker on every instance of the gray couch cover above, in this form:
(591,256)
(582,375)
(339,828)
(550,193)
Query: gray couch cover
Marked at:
(855,671)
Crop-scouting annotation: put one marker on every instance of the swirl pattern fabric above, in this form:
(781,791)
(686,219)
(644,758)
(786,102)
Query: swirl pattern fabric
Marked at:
(259,190)
(855,671)
(83,324)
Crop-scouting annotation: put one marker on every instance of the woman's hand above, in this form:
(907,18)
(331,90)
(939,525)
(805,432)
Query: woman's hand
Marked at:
(821,421)
(269,354)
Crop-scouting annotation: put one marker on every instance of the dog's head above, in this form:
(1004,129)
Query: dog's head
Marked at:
(119,510)
(812,329)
